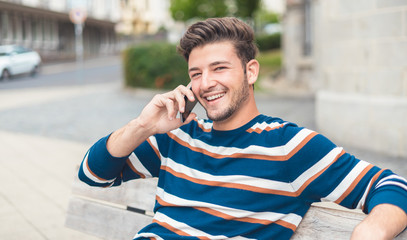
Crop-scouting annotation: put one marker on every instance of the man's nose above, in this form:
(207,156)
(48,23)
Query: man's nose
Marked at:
(207,81)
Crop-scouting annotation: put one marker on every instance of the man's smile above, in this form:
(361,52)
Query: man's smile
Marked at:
(214,97)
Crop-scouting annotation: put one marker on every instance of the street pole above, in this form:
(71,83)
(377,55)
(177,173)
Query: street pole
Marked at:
(79,51)
(78,17)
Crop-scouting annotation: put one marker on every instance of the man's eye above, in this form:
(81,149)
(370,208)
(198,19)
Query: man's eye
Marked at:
(195,75)
(219,68)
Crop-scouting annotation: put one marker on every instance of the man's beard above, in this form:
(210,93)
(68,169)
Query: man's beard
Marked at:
(239,97)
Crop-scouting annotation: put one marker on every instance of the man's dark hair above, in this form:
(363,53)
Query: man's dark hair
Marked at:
(212,30)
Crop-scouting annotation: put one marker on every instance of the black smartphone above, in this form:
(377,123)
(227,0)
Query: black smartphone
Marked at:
(188,108)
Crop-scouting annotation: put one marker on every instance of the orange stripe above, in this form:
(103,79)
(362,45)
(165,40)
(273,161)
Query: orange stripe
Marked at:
(154,148)
(244,155)
(268,128)
(176,230)
(247,219)
(164,203)
(248,187)
(374,178)
(134,169)
(354,183)
(308,182)
(229,217)
(202,127)
(93,174)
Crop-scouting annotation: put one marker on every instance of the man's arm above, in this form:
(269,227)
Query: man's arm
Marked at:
(385,221)
(159,116)
(107,163)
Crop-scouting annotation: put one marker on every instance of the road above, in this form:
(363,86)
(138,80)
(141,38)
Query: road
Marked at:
(95,71)
(83,105)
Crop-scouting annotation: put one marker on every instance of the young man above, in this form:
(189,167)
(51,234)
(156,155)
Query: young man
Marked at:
(239,174)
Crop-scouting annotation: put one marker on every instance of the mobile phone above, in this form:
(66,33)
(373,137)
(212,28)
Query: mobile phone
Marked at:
(188,108)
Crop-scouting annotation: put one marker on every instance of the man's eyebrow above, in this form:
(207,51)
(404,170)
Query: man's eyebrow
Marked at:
(212,64)
(193,69)
(219,62)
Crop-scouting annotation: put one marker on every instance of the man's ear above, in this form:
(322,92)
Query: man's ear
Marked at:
(252,71)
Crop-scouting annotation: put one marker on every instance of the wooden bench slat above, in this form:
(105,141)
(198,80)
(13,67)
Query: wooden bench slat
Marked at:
(103,212)
(138,193)
(104,221)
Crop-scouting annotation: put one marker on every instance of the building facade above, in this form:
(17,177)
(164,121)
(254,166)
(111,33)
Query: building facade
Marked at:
(45,26)
(352,55)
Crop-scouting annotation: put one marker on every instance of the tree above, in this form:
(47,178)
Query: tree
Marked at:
(246,8)
(184,10)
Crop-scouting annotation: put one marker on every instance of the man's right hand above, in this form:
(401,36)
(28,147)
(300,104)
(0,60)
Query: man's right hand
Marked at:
(158,116)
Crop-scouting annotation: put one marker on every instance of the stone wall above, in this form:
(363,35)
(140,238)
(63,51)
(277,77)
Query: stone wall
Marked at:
(360,73)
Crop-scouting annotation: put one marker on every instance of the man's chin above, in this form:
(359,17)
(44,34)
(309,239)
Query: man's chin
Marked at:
(218,117)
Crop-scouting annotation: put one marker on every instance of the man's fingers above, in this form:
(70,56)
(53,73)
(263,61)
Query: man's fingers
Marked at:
(171,111)
(179,97)
(180,93)
(190,117)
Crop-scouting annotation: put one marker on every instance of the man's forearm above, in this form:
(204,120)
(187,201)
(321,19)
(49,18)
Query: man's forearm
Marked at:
(124,140)
(385,221)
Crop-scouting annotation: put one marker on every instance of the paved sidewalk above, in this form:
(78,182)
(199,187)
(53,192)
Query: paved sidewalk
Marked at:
(36,174)
(44,133)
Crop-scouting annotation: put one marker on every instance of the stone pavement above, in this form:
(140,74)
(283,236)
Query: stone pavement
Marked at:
(44,133)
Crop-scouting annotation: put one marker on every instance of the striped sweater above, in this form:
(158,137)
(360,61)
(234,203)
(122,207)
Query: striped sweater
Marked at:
(254,182)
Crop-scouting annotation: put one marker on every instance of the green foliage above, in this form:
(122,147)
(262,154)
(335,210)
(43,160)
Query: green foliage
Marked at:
(270,60)
(270,64)
(246,8)
(184,10)
(154,65)
(267,16)
(268,42)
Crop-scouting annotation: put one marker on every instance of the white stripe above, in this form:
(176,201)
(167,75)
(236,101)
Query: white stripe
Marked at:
(152,235)
(184,227)
(393,183)
(135,161)
(346,182)
(237,213)
(205,125)
(148,235)
(393,176)
(153,141)
(316,168)
(362,201)
(264,125)
(253,149)
(89,175)
(236,179)
(253,181)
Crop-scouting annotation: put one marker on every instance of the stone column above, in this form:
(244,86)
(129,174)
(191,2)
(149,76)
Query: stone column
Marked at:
(361,73)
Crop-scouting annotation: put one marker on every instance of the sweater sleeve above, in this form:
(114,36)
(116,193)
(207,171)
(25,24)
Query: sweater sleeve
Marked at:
(99,168)
(351,182)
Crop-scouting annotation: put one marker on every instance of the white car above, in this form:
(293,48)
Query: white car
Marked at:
(16,60)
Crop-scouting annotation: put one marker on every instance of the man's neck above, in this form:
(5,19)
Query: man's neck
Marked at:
(240,118)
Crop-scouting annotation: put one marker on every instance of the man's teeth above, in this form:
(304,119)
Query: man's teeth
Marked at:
(210,98)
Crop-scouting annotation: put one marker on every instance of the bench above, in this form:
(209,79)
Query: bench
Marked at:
(120,212)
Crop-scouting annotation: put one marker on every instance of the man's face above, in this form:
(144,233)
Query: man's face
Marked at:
(218,80)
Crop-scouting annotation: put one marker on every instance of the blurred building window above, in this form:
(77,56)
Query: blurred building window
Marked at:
(3,24)
(33,30)
(24,29)
(14,26)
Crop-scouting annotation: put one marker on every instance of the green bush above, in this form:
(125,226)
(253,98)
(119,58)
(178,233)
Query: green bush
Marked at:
(267,42)
(154,65)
